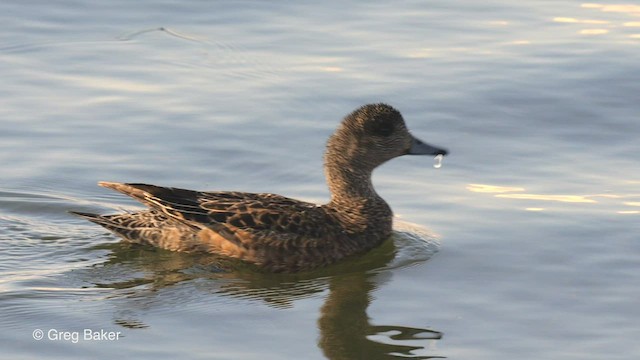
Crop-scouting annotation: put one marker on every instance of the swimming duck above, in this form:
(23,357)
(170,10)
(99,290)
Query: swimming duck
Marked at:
(274,232)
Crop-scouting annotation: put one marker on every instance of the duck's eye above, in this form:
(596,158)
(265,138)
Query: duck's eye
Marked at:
(384,129)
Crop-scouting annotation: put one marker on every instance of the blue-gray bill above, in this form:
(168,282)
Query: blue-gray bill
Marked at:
(418,147)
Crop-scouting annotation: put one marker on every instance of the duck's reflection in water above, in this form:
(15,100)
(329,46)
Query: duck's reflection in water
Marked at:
(345,328)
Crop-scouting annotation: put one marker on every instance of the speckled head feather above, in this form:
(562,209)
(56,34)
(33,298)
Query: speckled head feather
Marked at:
(274,232)
(368,137)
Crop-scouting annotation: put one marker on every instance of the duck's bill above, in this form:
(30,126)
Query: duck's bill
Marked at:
(418,147)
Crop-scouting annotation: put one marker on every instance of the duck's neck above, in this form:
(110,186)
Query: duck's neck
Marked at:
(349,184)
(352,190)
(353,199)
(356,204)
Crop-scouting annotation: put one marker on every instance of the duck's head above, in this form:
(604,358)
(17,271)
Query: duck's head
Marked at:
(372,135)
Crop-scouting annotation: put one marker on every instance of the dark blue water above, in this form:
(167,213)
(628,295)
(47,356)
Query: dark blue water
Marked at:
(534,216)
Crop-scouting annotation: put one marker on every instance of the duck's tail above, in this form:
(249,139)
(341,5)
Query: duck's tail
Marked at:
(112,223)
(147,227)
(98,219)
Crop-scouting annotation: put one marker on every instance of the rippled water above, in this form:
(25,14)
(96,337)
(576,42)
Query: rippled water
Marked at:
(535,212)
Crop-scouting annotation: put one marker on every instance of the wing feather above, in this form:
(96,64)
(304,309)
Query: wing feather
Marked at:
(250,220)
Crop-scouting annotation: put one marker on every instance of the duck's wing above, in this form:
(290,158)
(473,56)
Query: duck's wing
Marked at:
(246,219)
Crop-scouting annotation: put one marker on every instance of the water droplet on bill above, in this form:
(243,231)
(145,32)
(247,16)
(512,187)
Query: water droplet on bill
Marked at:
(438,161)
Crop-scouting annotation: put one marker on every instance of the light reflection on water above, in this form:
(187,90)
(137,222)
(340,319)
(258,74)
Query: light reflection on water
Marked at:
(518,193)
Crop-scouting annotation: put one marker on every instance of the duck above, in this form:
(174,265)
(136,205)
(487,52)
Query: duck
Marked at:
(274,232)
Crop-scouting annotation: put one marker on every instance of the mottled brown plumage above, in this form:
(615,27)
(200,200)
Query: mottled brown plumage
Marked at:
(272,231)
